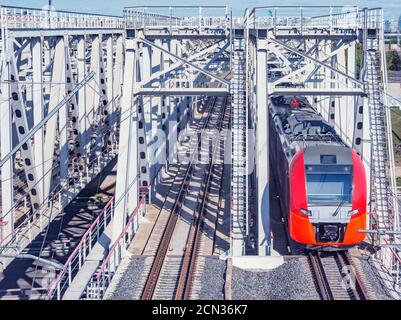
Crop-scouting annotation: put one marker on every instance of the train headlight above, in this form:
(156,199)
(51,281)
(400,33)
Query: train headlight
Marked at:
(353,212)
(306,212)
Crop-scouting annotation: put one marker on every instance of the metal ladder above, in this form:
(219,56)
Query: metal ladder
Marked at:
(239,148)
(378,135)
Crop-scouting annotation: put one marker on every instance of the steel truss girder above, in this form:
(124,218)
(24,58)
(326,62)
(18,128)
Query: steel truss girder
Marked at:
(7,170)
(43,90)
(144,130)
(210,74)
(317,92)
(355,81)
(127,180)
(310,66)
(183,91)
(17,104)
(211,61)
(177,65)
(57,92)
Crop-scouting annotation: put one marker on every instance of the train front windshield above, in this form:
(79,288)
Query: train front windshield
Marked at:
(329,184)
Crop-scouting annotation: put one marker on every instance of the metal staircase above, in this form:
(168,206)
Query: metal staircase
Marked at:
(383,172)
(378,136)
(239,148)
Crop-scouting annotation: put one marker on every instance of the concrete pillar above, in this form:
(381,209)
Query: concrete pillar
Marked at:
(63,133)
(157,120)
(172,111)
(126,196)
(118,67)
(82,115)
(351,101)
(92,94)
(341,102)
(57,93)
(118,81)
(147,119)
(145,75)
(325,104)
(317,82)
(262,150)
(38,107)
(110,72)
(166,100)
(332,78)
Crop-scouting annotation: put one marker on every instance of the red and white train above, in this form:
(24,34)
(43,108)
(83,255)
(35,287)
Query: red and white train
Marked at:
(322,182)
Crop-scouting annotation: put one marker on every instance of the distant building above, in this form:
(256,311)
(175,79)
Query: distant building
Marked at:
(387,26)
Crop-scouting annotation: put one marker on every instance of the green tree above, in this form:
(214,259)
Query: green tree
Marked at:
(393,61)
(358,59)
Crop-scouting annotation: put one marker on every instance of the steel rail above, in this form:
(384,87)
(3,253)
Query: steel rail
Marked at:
(193,244)
(320,276)
(356,290)
(161,252)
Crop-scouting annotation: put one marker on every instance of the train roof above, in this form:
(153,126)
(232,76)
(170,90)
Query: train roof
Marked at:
(300,123)
(328,155)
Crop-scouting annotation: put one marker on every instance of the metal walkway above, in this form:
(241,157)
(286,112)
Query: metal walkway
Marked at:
(239,147)
(26,280)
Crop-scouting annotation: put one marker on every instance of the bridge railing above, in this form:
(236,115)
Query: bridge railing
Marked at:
(353,18)
(142,17)
(374,17)
(33,18)
(98,285)
(347,20)
(304,17)
(81,252)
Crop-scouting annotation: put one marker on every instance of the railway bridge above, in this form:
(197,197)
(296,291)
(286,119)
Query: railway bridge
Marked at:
(84,96)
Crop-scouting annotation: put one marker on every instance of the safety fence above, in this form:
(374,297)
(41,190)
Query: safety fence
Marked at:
(76,260)
(303,18)
(32,18)
(99,283)
(141,17)
(354,19)
(80,254)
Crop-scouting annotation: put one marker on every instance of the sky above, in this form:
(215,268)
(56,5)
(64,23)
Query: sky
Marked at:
(392,8)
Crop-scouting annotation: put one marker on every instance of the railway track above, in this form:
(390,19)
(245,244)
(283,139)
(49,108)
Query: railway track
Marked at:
(335,276)
(170,276)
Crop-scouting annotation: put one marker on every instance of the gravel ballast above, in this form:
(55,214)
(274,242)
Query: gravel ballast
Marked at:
(213,279)
(128,284)
(287,282)
(373,283)
(290,281)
